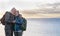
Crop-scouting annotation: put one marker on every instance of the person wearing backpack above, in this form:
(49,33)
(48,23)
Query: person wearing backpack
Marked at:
(18,24)
(8,21)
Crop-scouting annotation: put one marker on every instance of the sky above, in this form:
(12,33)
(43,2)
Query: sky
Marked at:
(6,5)
(23,4)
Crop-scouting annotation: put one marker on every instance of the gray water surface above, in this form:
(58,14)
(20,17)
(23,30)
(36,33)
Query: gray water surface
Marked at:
(40,27)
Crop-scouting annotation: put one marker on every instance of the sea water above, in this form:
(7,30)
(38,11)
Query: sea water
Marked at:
(39,27)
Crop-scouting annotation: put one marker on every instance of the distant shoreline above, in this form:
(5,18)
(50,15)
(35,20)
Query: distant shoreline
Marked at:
(42,18)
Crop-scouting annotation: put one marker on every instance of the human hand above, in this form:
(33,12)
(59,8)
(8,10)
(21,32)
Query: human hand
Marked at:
(14,21)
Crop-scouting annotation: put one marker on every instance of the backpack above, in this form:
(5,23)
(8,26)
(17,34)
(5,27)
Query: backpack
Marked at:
(3,19)
(24,25)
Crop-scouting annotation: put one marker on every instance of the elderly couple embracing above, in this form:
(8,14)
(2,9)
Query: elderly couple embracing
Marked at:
(14,23)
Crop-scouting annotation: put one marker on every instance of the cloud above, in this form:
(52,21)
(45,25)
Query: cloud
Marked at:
(54,4)
(45,11)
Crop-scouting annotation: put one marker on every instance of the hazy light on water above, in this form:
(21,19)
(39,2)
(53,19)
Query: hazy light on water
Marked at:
(40,27)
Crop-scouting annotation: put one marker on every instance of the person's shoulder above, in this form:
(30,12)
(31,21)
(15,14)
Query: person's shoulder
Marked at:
(24,18)
(7,12)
